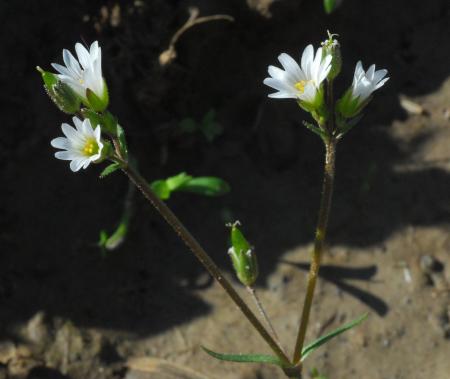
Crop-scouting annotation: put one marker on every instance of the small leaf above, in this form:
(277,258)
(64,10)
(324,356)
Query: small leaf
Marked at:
(122,141)
(320,341)
(177,181)
(161,189)
(246,358)
(329,5)
(207,186)
(116,239)
(109,170)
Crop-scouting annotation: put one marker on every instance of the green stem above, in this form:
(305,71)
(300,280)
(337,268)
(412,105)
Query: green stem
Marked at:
(202,256)
(319,242)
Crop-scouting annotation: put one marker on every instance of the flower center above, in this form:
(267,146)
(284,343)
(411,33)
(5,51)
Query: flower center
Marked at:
(91,147)
(300,86)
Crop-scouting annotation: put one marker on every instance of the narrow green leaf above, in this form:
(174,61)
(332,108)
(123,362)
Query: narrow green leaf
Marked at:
(122,141)
(320,341)
(245,358)
(329,5)
(315,130)
(161,189)
(207,186)
(177,181)
(109,170)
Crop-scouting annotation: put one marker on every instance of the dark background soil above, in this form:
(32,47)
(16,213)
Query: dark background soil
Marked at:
(51,218)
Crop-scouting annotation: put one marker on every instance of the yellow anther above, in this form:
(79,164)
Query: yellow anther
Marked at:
(91,147)
(300,86)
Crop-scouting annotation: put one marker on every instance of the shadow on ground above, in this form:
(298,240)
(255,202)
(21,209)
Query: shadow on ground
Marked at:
(51,218)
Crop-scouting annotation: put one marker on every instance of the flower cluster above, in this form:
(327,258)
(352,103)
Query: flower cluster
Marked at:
(79,88)
(305,83)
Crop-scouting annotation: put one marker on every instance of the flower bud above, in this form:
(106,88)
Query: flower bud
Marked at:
(243,257)
(331,47)
(61,94)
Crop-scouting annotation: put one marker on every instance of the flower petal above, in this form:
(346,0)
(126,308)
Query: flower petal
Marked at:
(83,56)
(76,164)
(291,66)
(60,143)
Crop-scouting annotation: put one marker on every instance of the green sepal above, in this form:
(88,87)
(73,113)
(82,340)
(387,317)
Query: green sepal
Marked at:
(307,350)
(49,78)
(238,241)
(109,122)
(246,358)
(329,5)
(331,47)
(243,257)
(346,125)
(122,141)
(349,106)
(108,170)
(321,133)
(106,120)
(95,102)
(60,93)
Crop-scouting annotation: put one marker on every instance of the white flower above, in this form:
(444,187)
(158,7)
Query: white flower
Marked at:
(364,83)
(82,145)
(86,76)
(295,82)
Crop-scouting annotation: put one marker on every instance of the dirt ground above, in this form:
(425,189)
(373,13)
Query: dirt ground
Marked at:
(143,310)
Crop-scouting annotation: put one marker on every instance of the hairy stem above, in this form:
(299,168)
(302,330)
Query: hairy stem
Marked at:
(319,242)
(203,257)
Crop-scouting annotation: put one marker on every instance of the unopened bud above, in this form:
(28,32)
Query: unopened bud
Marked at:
(331,47)
(60,93)
(243,257)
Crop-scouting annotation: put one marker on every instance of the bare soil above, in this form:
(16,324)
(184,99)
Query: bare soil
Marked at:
(143,310)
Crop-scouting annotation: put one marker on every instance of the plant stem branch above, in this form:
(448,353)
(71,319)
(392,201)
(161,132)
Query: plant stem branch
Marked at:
(263,313)
(202,256)
(319,242)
